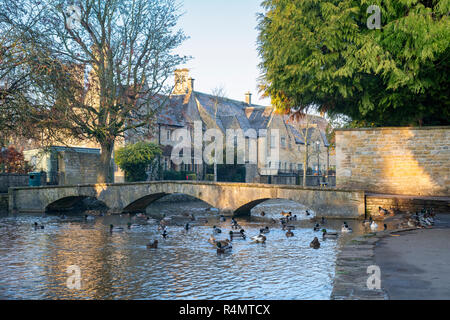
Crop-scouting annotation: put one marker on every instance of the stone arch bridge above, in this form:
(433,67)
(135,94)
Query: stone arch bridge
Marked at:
(237,198)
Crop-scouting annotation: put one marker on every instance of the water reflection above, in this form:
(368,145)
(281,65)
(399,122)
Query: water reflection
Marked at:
(33,263)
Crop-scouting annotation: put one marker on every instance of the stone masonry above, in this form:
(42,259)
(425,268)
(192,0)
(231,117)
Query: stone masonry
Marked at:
(407,161)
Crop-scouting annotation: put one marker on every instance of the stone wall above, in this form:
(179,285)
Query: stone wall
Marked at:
(3,203)
(408,161)
(12,180)
(77,167)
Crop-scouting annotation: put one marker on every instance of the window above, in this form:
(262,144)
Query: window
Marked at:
(300,167)
(283,142)
(169,134)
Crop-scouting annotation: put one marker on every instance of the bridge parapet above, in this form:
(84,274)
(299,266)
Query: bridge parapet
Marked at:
(237,198)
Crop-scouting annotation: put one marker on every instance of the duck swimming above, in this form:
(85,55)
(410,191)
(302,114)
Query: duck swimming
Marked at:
(164,234)
(327,235)
(216,230)
(221,248)
(36,226)
(259,238)
(240,234)
(222,218)
(132,226)
(88,218)
(153,245)
(264,230)
(286,214)
(115,229)
(289,234)
(315,244)
(316,227)
(187,227)
(345,228)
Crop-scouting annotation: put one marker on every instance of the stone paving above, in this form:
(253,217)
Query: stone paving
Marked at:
(351,274)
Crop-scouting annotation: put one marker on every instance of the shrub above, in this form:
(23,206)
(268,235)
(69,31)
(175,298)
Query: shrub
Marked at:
(134,159)
(13,161)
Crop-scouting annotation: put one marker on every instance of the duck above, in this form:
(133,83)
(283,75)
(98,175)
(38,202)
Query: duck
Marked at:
(315,244)
(289,234)
(88,218)
(259,238)
(222,218)
(132,225)
(153,245)
(345,228)
(323,221)
(289,228)
(223,248)
(37,226)
(187,226)
(164,234)
(216,230)
(329,235)
(240,234)
(382,211)
(115,229)
(367,223)
(307,213)
(316,227)
(412,223)
(262,213)
(273,221)
(214,242)
(373,226)
(264,230)
(286,214)
(293,218)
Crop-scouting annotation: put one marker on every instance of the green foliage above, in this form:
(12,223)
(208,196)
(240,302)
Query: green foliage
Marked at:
(322,53)
(209,177)
(134,159)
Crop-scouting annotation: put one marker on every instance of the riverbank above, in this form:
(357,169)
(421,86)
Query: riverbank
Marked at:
(413,264)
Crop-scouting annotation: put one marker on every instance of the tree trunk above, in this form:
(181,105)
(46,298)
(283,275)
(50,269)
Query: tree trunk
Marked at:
(305,164)
(105,173)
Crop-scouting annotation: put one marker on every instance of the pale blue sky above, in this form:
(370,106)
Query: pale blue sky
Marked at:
(223,46)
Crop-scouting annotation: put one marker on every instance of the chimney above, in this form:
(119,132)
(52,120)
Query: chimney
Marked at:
(248,98)
(181,81)
(191,84)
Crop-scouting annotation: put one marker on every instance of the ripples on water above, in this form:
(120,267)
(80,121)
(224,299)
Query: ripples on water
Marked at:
(33,263)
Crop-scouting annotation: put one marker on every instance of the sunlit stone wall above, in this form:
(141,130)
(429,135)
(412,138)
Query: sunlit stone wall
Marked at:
(411,161)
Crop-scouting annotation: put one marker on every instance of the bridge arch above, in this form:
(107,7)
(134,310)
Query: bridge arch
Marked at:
(75,204)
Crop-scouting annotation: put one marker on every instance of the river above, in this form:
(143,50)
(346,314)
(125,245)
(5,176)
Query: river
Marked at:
(118,265)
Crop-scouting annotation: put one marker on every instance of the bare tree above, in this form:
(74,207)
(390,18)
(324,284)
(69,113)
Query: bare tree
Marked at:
(218,94)
(98,66)
(302,122)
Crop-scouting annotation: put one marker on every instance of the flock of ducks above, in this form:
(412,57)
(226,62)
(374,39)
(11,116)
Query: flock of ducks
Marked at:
(422,219)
